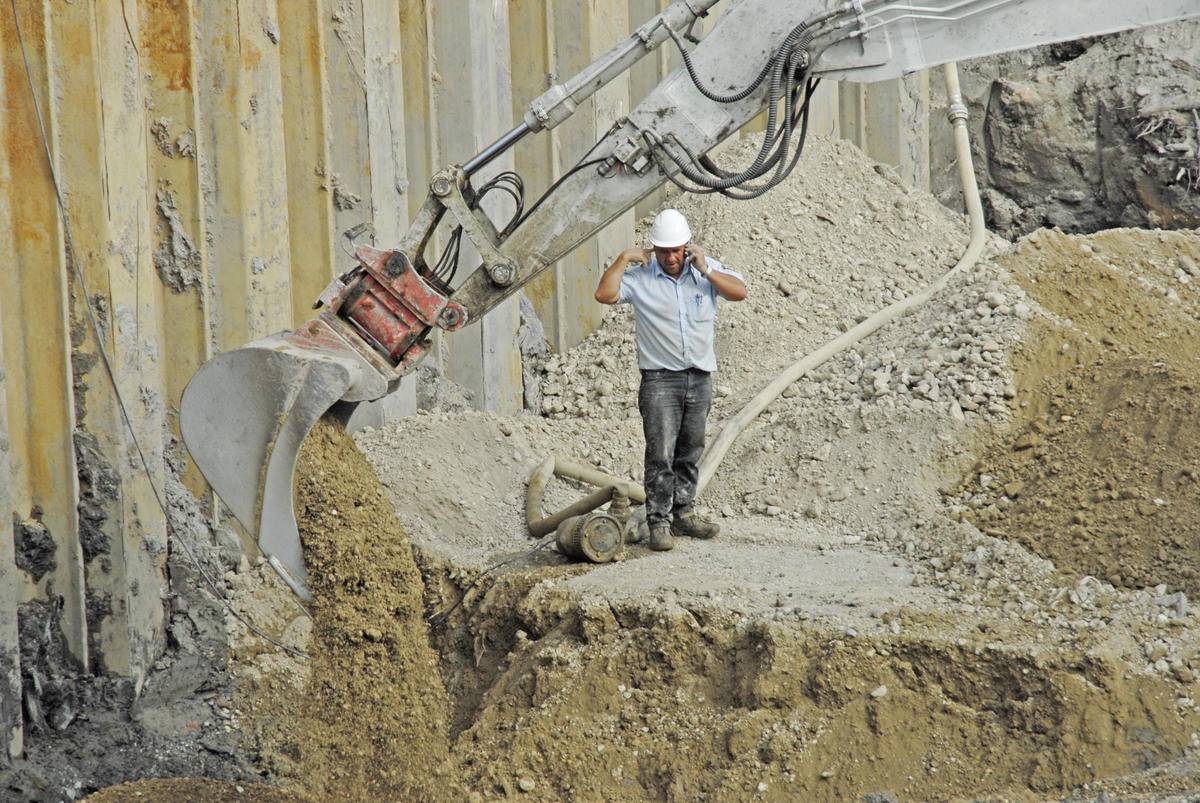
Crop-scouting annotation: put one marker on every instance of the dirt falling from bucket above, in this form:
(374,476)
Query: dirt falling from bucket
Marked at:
(371,724)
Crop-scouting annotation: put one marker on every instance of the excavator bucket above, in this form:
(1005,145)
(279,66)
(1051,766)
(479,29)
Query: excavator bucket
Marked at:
(245,414)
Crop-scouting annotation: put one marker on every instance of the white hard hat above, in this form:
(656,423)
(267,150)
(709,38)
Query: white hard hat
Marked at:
(670,230)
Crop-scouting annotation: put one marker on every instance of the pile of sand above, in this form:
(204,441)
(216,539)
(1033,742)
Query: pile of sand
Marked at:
(1100,474)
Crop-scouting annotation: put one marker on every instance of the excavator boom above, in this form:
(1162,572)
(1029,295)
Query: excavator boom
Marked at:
(246,412)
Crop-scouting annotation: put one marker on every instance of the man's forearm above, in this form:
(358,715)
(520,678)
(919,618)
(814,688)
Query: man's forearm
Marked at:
(728,286)
(609,288)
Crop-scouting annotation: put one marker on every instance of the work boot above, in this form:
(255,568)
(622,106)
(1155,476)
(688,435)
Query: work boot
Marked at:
(690,525)
(660,537)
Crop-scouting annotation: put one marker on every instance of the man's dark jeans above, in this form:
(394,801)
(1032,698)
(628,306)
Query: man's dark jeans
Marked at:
(674,406)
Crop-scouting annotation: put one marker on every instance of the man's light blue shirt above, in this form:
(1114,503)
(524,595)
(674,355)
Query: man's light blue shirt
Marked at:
(673,318)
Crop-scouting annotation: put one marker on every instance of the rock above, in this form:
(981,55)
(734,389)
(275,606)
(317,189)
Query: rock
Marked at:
(526,785)
(1026,441)
(879,692)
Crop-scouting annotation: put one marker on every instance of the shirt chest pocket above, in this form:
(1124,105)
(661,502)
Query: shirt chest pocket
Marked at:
(700,307)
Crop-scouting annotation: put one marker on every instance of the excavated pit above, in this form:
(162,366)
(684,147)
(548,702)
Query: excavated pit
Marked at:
(876,618)
(562,695)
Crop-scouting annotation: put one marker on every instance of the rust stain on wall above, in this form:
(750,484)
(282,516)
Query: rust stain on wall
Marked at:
(167,40)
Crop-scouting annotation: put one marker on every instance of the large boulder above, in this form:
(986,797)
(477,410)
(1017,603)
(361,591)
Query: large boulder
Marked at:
(1102,136)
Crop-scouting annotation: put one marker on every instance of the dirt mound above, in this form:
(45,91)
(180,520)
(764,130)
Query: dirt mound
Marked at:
(371,721)
(1101,473)
(638,702)
(841,239)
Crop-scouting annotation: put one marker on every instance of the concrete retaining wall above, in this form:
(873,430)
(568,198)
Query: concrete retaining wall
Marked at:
(210,154)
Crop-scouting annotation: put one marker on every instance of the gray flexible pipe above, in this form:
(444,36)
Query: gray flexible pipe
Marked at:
(539,525)
(966,174)
(733,427)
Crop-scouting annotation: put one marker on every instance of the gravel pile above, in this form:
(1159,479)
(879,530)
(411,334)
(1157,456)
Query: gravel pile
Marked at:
(820,254)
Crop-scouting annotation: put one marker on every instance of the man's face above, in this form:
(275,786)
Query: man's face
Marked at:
(671,259)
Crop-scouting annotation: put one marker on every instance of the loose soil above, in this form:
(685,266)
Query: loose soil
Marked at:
(370,720)
(1099,475)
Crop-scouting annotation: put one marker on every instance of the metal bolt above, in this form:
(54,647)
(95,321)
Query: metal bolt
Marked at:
(502,273)
(449,318)
(440,186)
(394,266)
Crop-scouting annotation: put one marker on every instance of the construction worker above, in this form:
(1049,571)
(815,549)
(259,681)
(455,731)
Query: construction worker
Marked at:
(674,293)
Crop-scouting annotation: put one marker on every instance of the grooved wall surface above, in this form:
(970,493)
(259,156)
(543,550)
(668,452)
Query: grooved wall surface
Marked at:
(210,154)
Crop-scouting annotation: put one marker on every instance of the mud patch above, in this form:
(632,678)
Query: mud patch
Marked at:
(34,548)
(176,258)
(1101,475)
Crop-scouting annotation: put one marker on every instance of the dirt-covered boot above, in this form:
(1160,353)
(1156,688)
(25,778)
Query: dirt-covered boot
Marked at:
(660,537)
(692,526)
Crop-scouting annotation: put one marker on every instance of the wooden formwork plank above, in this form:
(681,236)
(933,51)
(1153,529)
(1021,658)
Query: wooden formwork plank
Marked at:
(531,44)
(583,31)
(37,341)
(894,125)
(852,113)
(474,107)
(121,525)
(387,148)
(12,741)
(174,199)
(420,121)
(824,119)
(385,119)
(243,168)
(422,142)
(135,346)
(349,175)
(311,225)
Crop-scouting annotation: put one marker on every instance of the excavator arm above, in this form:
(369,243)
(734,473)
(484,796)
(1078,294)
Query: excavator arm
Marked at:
(246,412)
